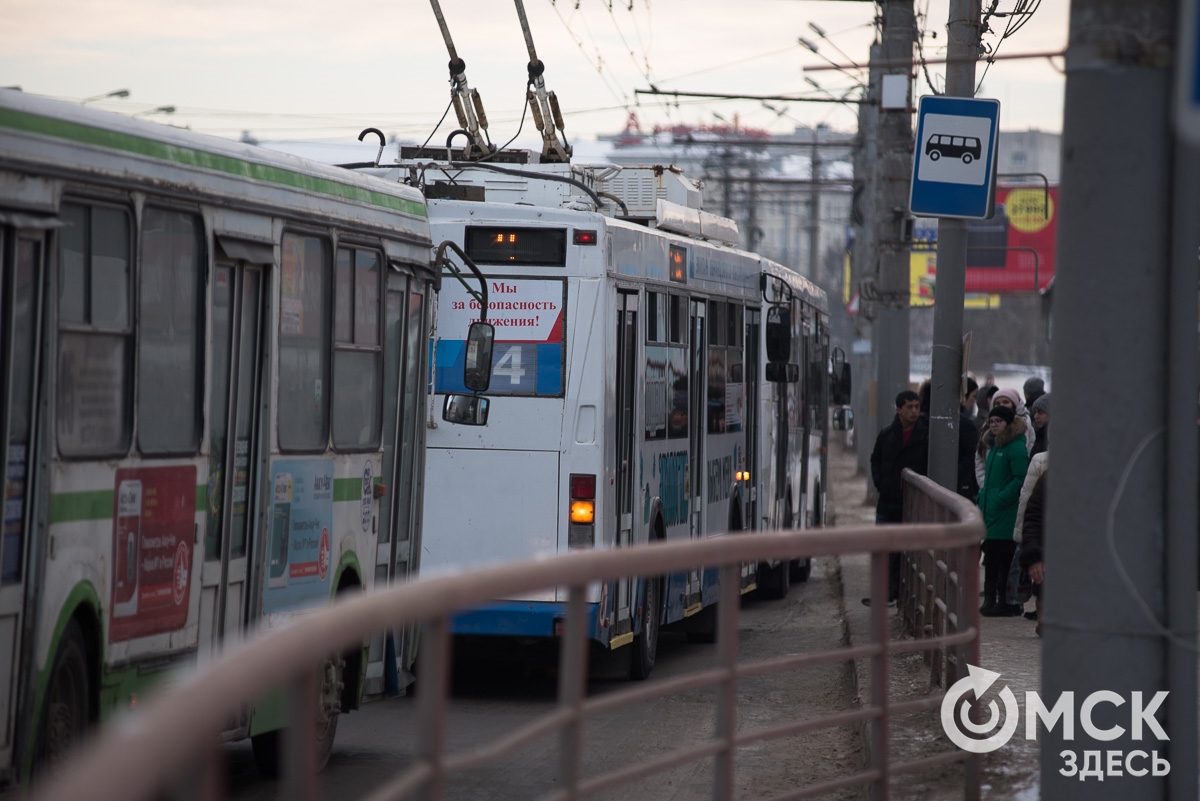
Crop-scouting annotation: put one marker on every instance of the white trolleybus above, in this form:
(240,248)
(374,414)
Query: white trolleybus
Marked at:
(632,398)
(213,376)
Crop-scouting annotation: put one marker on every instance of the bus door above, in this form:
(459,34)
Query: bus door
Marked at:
(397,552)
(751,383)
(235,448)
(698,420)
(20,303)
(626,445)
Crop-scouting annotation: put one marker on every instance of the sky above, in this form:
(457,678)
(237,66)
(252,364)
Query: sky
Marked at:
(318,70)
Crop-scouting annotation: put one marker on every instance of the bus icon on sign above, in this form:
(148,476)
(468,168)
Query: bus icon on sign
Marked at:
(966,148)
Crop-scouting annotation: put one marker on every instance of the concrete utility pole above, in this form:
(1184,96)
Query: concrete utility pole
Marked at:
(814,214)
(864,262)
(946,382)
(895,175)
(1121,549)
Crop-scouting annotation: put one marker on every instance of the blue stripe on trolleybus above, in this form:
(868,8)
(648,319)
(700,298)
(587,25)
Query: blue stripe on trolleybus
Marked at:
(517,619)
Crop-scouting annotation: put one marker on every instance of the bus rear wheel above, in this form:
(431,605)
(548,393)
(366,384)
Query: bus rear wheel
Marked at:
(67,705)
(268,746)
(645,643)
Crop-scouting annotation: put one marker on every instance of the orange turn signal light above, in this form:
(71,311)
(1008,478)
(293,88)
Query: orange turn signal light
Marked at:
(583,512)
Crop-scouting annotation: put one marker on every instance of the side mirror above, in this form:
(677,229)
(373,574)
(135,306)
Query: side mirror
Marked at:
(843,418)
(477,369)
(839,384)
(779,334)
(467,410)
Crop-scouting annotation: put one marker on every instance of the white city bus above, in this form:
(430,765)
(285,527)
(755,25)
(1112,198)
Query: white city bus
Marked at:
(629,398)
(213,376)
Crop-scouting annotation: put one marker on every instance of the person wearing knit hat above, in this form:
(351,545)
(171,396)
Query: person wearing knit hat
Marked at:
(1012,399)
(1041,425)
(999,494)
(1005,413)
(1034,389)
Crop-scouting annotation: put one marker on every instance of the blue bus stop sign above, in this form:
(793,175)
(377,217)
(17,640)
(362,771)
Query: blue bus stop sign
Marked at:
(954,166)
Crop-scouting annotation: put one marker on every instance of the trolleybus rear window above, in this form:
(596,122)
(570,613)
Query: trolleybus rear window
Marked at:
(534,247)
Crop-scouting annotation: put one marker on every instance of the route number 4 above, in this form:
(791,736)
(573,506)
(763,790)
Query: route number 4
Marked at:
(510,365)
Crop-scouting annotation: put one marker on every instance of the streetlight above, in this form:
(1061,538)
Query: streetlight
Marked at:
(159,110)
(819,31)
(116,93)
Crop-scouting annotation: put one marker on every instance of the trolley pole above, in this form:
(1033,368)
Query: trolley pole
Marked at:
(895,176)
(1120,595)
(946,382)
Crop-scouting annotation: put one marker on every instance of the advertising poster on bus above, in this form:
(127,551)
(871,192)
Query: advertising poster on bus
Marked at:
(300,548)
(527,358)
(153,525)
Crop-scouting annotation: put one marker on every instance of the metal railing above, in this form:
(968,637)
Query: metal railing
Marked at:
(939,588)
(169,745)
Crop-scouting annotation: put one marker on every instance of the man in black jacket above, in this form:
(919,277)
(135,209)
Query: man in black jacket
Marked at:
(904,443)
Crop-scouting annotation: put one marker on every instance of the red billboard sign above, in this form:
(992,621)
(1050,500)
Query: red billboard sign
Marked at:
(1014,251)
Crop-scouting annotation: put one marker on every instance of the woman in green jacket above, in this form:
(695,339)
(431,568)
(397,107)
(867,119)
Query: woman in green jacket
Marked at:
(1007,461)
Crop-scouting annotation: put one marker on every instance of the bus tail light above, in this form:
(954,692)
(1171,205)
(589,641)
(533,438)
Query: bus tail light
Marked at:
(581,533)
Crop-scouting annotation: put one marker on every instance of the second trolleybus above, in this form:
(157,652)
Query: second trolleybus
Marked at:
(631,399)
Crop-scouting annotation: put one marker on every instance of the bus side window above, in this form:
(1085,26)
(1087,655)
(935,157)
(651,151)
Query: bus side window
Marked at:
(356,357)
(677,368)
(304,344)
(656,372)
(170,332)
(92,404)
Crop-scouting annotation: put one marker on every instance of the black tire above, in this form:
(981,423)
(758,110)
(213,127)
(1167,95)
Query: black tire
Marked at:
(645,642)
(774,582)
(934,155)
(268,746)
(66,711)
(967,158)
(801,569)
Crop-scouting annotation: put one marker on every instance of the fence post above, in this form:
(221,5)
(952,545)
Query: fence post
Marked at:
(434,672)
(572,687)
(727,657)
(879,674)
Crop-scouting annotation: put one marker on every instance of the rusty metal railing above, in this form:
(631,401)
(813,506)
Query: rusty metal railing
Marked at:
(939,587)
(169,745)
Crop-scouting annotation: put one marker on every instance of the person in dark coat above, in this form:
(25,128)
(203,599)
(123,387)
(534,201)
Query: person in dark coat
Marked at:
(968,440)
(1034,388)
(903,443)
(1033,536)
(1040,410)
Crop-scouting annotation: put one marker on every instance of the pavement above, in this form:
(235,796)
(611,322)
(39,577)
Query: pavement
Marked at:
(1008,646)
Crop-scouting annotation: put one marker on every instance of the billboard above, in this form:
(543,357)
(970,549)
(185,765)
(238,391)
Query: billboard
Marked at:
(1013,252)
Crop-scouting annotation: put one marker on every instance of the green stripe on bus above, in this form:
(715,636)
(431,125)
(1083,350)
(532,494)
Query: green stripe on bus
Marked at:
(115,140)
(347,489)
(69,507)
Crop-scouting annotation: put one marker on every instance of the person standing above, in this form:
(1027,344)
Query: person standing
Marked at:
(903,443)
(1041,425)
(968,440)
(1034,388)
(1007,462)
(1033,539)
